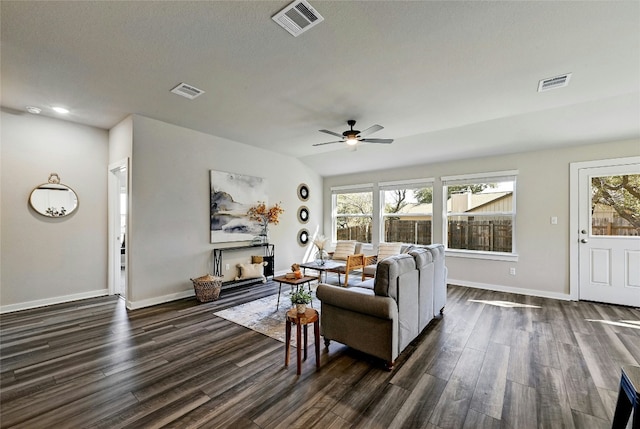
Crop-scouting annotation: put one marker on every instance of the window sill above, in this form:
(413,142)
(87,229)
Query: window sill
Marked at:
(475,254)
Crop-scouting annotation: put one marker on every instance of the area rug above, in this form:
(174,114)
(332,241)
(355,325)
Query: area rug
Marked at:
(261,315)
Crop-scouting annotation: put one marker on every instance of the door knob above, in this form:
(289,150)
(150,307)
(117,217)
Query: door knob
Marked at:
(584,240)
(584,231)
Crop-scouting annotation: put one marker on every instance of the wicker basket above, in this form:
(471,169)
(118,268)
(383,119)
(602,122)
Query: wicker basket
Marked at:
(207,287)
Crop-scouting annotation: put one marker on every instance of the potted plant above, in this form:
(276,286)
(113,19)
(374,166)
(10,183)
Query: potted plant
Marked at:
(301,298)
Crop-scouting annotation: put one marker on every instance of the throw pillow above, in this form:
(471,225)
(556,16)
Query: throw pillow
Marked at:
(344,249)
(252,271)
(408,248)
(257,259)
(388,249)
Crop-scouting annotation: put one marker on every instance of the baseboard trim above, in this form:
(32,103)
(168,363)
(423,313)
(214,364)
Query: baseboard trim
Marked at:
(50,301)
(134,305)
(498,288)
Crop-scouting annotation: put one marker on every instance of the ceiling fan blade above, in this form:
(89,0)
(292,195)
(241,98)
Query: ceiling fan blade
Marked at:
(372,129)
(322,144)
(330,132)
(385,141)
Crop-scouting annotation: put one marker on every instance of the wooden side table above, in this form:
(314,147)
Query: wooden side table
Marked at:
(628,398)
(292,283)
(300,320)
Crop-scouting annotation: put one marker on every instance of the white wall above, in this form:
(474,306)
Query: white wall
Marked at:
(121,140)
(542,191)
(169,235)
(47,260)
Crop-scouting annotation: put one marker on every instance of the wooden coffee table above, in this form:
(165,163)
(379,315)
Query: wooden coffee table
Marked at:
(292,283)
(300,320)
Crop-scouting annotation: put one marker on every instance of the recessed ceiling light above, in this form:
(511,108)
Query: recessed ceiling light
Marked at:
(34,110)
(61,110)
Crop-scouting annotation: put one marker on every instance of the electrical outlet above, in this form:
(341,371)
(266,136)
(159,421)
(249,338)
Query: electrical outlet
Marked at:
(554,220)
(512,271)
(227,267)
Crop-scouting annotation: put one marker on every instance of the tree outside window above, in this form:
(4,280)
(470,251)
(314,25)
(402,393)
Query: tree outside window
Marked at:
(615,202)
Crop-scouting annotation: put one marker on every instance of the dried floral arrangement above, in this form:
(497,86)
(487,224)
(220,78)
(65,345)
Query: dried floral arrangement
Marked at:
(263,215)
(320,242)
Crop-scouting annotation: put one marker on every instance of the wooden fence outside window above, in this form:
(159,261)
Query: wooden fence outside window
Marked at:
(484,235)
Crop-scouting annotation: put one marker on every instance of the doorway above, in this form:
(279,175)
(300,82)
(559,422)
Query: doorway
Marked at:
(606,231)
(118,228)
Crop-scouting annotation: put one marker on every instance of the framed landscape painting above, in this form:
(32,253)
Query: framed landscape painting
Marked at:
(231,197)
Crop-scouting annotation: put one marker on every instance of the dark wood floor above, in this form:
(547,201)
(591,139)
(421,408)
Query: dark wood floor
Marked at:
(546,363)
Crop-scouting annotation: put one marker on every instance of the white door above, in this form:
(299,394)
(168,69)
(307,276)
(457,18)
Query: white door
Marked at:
(609,234)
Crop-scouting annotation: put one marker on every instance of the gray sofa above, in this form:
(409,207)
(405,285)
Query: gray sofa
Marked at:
(381,316)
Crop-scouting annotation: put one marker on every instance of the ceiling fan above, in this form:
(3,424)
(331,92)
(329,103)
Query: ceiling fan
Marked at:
(352,137)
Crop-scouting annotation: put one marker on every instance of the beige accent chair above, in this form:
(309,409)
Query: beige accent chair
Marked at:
(384,251)
(354,263)
(349,252)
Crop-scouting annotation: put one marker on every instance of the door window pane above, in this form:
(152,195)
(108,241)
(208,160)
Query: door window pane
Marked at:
(615,205)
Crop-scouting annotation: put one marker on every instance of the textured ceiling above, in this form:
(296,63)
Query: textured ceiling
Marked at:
(447,80)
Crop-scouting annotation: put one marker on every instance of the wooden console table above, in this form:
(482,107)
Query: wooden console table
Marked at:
(269,257)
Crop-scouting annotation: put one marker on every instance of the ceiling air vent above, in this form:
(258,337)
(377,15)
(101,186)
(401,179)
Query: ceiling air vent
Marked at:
(188,91)
(297,17)
(554,82)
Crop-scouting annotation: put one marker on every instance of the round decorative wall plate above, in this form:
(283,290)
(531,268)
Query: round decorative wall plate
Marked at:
(303,214)
(303,237)
(303,192)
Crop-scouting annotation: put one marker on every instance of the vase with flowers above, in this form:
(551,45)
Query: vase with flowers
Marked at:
(321,255)
(264,216)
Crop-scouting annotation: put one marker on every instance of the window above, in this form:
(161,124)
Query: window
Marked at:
(352,209)
(406,211)
(480,212)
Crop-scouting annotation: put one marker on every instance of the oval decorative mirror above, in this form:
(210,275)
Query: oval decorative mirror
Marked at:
(53,199)
(303,214)
(303,192)
(303,237)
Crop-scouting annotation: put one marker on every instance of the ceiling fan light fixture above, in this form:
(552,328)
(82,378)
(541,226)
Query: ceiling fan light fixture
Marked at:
(353,137)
